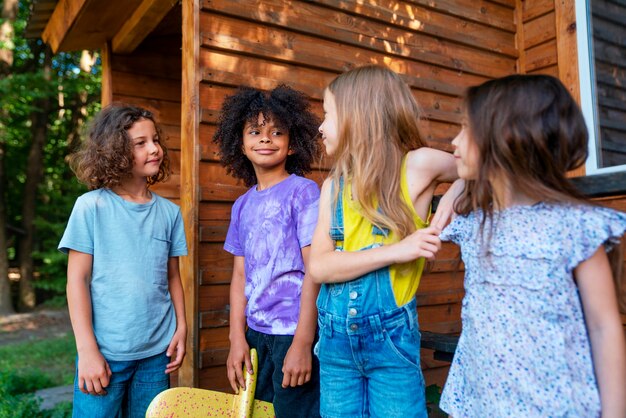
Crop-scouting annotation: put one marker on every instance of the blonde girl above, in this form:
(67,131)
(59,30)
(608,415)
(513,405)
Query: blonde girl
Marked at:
(370,245)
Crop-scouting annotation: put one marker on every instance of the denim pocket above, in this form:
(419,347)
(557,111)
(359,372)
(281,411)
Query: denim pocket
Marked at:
(404,343)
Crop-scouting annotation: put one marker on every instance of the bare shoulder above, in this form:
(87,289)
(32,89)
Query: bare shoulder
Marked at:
(428,160)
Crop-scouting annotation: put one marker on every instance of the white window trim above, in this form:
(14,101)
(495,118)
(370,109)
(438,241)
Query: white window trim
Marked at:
(587,89)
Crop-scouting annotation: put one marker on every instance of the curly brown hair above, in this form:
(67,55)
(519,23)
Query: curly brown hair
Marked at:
(287,107)
(105,157)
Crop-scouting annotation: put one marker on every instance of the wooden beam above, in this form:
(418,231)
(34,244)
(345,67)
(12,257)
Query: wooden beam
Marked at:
(189,184)
(519,37)
(107,76)
(612,184)
(567,54)
(63,18)
(143,21)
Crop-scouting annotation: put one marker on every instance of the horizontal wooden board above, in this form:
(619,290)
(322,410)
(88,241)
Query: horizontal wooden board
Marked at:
(214,211)
(149,64)
(214,378)
(213,338)
(535,8)
(214,357)
(540,30)
(214,319)
(214,255)
(211,274)
(165,112)
(541,56)
(148,86)
(552,70)
(431,22)
(364,33)
(213,231)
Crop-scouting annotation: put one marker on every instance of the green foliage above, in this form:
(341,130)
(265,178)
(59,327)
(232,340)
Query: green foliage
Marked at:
(20,406)
(75,96)
(27,367)
(38,364)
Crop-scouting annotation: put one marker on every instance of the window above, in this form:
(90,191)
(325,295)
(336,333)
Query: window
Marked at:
(602,70)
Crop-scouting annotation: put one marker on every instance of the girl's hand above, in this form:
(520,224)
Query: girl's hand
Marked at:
(298,364)
(94,372)
(421,243)
(445,209)
(178,345)
(238,356)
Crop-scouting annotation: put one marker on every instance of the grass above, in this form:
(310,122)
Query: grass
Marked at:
(30,366)
(53,359)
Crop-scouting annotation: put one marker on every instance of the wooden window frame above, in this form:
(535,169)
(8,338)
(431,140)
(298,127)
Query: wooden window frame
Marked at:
(588,98)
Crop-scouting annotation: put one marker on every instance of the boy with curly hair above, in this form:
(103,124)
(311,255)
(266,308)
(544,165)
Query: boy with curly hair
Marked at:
(269,140)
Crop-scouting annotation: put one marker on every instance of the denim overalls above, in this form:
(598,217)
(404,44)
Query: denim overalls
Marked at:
(369,348)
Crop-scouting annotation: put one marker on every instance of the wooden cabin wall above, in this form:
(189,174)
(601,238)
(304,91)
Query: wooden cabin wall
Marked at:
(151,78)
(440,47)
(537,39)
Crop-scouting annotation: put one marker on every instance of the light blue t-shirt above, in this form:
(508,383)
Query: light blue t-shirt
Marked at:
(133,314)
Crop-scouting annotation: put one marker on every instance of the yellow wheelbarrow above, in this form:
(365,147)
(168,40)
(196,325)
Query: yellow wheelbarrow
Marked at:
(195,403)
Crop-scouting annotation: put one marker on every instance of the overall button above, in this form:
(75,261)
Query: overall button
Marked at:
(353,294)
(352,312)
(354,327)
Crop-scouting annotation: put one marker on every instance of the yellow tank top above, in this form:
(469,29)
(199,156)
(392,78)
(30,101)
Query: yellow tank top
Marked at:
(405,277)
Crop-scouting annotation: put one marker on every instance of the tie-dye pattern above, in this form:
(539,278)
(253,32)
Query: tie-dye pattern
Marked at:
(524,350)
(269,228)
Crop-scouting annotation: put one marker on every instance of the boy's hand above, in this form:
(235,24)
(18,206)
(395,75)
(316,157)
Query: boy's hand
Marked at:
(238,356)
(297,365)
(421,243)
(178,345)
(93,372)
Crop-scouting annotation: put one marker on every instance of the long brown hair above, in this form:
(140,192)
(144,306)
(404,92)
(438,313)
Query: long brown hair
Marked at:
(377,124)
(105,158)
(528,130)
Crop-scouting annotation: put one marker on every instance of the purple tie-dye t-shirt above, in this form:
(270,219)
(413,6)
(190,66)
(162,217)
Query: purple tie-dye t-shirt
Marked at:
(269,228)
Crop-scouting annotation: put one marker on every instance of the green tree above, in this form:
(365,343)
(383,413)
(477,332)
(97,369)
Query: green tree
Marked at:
(45,100)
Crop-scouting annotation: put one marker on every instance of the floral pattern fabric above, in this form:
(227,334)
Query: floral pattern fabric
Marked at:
(524,350)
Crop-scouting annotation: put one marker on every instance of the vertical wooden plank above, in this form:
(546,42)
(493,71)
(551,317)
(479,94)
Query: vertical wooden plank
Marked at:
(189,182)
(107,77)
(567,52)
(519,37)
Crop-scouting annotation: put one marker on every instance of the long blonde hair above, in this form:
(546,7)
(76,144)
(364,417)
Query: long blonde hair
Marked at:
(377,124)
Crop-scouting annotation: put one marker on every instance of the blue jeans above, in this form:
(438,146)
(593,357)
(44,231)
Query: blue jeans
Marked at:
(300,401)
(372,368)
(132,387)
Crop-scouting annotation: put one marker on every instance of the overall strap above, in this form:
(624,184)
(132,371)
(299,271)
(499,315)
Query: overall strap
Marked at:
(336,224)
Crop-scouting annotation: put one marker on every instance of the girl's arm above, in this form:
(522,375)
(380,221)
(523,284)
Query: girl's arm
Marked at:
(605,331)
(330,266)
(239,354)
(178,299)
(298,362)
(93,370)
(426,168)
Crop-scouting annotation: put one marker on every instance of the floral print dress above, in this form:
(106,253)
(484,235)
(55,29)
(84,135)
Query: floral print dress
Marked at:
(524,350)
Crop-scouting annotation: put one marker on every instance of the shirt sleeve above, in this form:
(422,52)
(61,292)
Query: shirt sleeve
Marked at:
(306,204)
(78,235)
(179,241)
(455,231)
(592,227)
(232,244)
